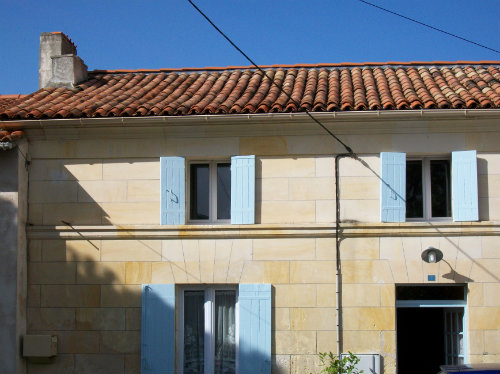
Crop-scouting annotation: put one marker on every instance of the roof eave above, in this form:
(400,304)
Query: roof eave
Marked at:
(423,114)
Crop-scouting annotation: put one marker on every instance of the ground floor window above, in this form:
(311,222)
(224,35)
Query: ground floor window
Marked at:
(207,330)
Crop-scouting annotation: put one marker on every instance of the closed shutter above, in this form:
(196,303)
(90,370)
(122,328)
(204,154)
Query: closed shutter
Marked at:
(464,186)
(243,190)
(158,329)
(255,328)
(393,187)
(173,200)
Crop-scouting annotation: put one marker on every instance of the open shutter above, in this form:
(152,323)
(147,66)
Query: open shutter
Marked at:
(464,186)
(393,187)
(243,190)
(158,329)
(255,328)
(173,200)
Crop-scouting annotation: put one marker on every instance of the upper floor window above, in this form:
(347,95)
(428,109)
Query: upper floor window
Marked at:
(210,191)
(428,189)
(207,191)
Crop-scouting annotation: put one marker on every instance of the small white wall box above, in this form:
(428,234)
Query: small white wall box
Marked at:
(369,363)
(39,348)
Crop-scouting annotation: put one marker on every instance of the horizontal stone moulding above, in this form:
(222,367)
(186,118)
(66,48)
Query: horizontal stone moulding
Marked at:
(347,230)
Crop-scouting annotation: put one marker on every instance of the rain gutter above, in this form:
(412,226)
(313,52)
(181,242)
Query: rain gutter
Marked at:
(327,117)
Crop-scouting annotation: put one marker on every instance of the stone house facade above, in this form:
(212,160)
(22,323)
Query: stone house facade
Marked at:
(187,221)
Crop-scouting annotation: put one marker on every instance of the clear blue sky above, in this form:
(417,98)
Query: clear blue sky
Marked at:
(133,34)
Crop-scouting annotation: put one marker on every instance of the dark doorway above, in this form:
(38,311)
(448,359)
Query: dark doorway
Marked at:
(420,340)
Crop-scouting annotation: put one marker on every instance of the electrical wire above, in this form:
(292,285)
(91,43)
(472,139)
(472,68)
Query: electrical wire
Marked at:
(348,149)
(429,26)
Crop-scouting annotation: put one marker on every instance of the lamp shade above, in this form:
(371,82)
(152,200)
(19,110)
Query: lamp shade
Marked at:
(432,255)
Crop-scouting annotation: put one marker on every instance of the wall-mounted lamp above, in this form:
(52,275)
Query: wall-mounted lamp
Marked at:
(432,255)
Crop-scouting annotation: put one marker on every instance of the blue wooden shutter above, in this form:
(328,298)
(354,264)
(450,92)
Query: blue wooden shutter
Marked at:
(393,187)
(158,329)
(255,328)
(173,200)
(242,190)
(464,186)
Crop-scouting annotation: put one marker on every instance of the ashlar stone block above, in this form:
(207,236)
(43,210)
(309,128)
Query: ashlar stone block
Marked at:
(327,341)
(51,319)
(121,296)
(312,271)
(281,319)
(372,319)
(131,250)
(284,249)
(268,145)
(51,273)
(100,272)
(85,296)
(314,188)
(132,169)
(100,319)
(102,191)
(297,167)
(360,295)
(484,318)
(99,364)
(138,272)
(361,341)
(295,342)
(295,295)
(120,341)
(274,272)
(320,319)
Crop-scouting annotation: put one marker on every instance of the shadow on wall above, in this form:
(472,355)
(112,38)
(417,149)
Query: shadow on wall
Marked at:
(87,304)
(91,303)
(83,288)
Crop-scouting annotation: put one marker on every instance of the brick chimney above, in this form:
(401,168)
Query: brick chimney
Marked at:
(59,64)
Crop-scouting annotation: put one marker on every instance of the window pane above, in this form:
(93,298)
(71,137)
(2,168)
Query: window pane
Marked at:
(223,191)
(199,194)
(414,197)
(194,331)
(440,188)
(225,332)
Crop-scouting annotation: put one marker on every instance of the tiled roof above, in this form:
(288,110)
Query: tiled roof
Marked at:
(317,88)
(9,100)
(9,135)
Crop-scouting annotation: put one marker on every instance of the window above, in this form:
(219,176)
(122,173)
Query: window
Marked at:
(428,189)
(210,191)
(207,330)
(217,191)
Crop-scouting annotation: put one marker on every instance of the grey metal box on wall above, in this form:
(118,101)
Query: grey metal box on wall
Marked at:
(369,363)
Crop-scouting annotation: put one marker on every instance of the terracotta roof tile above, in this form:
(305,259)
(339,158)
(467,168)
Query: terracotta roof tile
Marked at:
(281,88)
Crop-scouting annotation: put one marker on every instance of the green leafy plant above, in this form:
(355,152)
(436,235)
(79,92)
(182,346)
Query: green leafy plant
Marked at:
(333,364)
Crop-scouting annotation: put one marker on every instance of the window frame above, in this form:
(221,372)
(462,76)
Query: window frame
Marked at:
(427,190)
(212,192)
(209,313)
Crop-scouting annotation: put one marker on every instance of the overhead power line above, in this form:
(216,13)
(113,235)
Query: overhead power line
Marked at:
(349,150)
(429,26)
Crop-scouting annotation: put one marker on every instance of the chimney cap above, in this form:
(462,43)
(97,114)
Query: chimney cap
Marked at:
(68,39)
